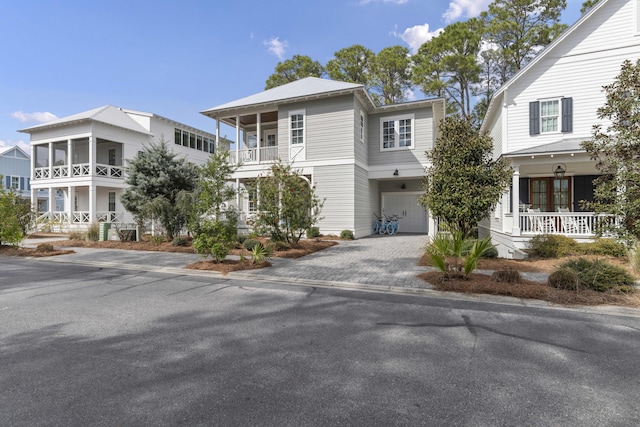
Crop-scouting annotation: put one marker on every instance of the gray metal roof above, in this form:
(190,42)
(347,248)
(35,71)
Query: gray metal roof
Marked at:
(563,146)
(108,114)
(309,86)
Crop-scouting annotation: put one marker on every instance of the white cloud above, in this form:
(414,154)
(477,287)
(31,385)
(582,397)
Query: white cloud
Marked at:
(26,147)
(417,35)
(276,47)
(464,9)
(33,117)
(409,95)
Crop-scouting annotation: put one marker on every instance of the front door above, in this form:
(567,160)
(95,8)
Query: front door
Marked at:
(549,194)
(412,215)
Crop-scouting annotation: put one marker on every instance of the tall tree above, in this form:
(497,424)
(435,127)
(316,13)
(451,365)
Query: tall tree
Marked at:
(447,65)
(156,177)
(615,150)
(463,181)
(519,29)
(587,5)
(352,64)
(391,77)
(296,68)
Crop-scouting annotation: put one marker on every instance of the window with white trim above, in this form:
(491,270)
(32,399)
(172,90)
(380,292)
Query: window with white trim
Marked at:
(551,115)
(396,133)
(15,182)
(296,127)
(361,126)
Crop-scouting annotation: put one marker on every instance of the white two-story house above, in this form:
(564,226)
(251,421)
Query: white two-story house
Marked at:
(539,118)
(363,159)
(82,158)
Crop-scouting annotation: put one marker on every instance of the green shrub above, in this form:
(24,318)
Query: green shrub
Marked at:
(77,235)
(179,241)
(491,252)
(564,278)
(93,232)
(605,247)
(633,255)
(599,275)
(280,246)
(241,238)
(44,247)
(260,254)
(158,238)
(215,238)
(249,244)
(346,234)
(313,232)
(552,246)
(510,275)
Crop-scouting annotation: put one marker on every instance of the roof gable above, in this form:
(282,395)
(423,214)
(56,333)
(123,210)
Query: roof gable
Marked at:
(15,152)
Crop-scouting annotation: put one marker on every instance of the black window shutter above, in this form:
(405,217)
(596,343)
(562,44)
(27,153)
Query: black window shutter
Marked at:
(567,114)
(534,118)
(583,189)
(22,186)
(28,183)
(524,191)
(7,181)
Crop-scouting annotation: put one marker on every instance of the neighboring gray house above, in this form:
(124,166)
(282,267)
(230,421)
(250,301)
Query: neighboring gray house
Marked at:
(541,115)
(15,167)
(362,158)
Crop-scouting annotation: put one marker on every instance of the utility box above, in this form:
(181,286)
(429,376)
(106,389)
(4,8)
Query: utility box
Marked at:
(103,234)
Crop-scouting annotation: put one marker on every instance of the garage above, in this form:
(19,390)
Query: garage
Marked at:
(412,215)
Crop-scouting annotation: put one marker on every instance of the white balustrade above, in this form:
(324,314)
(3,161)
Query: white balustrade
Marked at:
(567,223)
(41,173)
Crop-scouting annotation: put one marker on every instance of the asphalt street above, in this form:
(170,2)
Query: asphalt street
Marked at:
(84,345)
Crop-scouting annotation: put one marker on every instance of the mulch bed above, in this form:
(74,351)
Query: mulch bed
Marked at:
(31,252)
(226,266)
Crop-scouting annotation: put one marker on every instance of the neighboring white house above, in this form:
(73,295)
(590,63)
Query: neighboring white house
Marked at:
(83,157)
(363,159)
(541,115)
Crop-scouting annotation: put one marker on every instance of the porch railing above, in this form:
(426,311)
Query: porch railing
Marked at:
(567,223)
(79,217)
(79,169)
(250,155)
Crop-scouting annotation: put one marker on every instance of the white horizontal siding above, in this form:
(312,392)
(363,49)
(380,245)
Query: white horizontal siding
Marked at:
(362,203)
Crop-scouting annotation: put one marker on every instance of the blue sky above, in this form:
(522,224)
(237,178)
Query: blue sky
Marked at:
(177,58)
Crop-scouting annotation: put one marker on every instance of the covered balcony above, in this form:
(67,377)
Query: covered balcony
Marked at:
(78,158)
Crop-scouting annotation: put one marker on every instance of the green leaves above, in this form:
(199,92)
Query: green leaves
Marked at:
(296,68)
(463,181)
(15,214)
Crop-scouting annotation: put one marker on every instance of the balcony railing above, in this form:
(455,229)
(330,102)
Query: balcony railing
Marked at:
(567,223)
(80,217)
(250,155)
(79,169)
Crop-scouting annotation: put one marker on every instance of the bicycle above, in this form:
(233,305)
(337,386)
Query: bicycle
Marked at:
(390,225)
(376,224)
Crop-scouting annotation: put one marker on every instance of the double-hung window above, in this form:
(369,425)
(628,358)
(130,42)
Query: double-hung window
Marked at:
(396,133)
(15,182)
(551,115)
(296,119)
(361,126)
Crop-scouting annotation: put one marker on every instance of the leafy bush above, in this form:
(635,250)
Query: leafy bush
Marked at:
(510,275)
(249,244)
(599,275)
(158,238)
(260,253)
(605,247)
(241,238)
(455,255)
(633,255)
(215,238)
(491,252)
(280,246)
(564,278)
(44,247)
(552,246)
(179,241)
(346,234)
(313,232)
(77,235)
(93,232)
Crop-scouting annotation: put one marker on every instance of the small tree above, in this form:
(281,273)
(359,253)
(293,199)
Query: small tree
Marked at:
(615,150)
(214,222)
(156,177)
(287,204)
(463,181)
(15,214)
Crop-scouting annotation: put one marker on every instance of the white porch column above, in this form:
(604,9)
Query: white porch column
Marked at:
(515,191)
(92,155)
(258,136)
(34,192)
(52,201)
(238,207)
(70,157)
(71,191)
(50,160)
(237,139)
(217,144)
(92,203)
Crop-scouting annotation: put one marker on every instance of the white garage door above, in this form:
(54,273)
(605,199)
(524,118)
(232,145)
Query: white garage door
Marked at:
(413,216)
